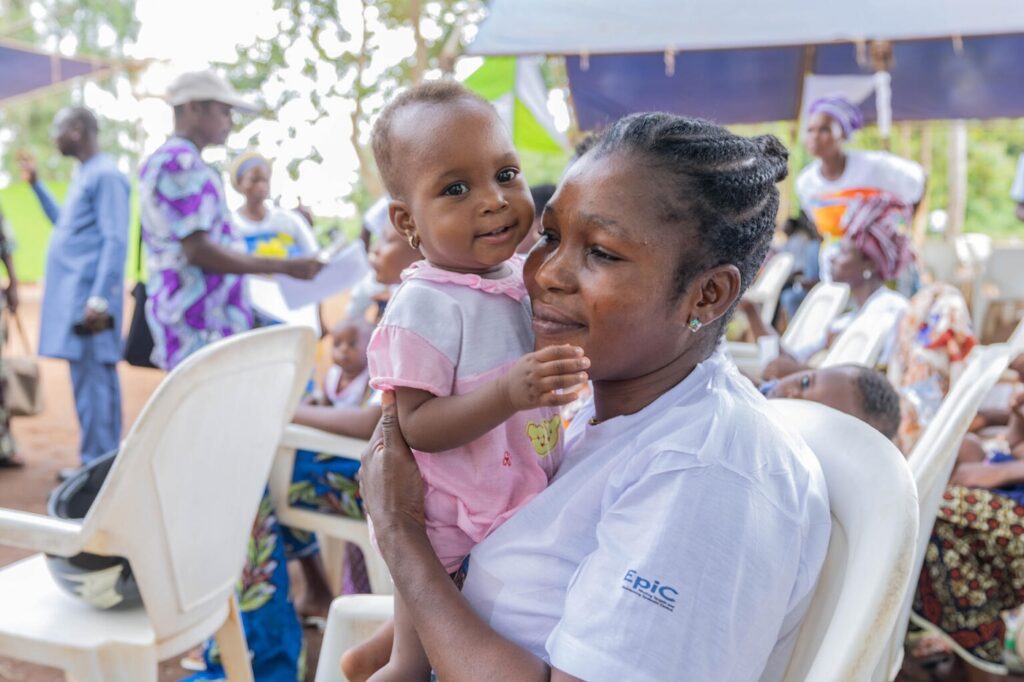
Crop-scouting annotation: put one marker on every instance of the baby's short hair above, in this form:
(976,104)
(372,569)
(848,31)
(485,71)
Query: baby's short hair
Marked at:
(432,92)
(879,400)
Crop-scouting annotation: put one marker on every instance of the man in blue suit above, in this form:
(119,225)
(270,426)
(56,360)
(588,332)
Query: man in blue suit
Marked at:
(84,287)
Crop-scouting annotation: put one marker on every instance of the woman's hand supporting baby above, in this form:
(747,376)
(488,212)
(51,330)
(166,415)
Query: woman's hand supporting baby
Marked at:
(543,378)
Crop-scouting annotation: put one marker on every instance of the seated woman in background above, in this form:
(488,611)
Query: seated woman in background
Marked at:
(873,251)
(974,563)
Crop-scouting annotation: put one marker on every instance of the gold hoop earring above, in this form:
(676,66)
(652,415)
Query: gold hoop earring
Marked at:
(414,241)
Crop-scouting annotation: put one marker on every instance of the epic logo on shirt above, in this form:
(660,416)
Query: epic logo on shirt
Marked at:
(653,591)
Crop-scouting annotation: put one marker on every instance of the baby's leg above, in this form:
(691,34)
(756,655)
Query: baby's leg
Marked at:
(408,659)
(360,662)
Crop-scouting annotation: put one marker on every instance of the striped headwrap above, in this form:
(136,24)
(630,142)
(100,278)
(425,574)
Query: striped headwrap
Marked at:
(242,164)
(876,226)
(841,110)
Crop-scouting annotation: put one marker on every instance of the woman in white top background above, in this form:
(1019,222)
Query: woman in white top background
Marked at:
(684,532)
(269,231)
(838,176)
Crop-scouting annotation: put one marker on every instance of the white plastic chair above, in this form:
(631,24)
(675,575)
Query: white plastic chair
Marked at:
(1001,281)
(823,303)
(332,530)
(765,290)
(179,504)
(941,261)
(932,460)
(866,573)
(864,340)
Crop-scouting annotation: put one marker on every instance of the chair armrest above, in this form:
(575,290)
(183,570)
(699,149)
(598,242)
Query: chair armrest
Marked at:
(307,438)
(352,619)
(40,533)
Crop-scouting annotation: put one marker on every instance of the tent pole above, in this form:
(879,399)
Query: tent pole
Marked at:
(957,178)
(921,217)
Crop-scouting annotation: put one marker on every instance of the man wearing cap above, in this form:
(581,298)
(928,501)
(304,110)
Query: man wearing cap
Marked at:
(84,290)
(196,258)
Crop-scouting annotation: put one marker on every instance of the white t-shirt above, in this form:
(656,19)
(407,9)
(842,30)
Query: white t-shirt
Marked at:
(866,173)
(1017,191)
(682,542)
(281,234)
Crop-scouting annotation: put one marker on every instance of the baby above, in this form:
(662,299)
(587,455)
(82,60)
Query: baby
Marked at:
(476,404)
(861,392)
(346,382)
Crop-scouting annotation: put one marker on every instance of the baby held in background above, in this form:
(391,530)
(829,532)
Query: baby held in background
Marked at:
(477,404)
(347,381)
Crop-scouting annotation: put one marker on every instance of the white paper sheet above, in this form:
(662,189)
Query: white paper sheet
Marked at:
(344,270)
(265,296)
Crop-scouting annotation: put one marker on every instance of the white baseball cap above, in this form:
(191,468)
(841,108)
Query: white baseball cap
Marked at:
(200,86)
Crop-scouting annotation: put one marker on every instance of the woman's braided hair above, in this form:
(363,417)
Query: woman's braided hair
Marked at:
(721,183)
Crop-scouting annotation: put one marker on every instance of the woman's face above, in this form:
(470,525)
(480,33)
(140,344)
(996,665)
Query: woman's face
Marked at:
(602,276)
(849,265)
(390,254)
(255,184)
(820,135)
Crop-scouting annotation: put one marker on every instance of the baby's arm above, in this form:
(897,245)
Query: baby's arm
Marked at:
(435,423)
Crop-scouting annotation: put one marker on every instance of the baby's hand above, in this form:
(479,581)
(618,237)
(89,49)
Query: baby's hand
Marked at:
(535,379)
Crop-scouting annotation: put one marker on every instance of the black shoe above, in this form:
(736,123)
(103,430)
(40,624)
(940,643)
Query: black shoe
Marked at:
(65,474)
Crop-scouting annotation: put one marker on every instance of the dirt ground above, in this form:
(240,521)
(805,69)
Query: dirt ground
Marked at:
(48,442)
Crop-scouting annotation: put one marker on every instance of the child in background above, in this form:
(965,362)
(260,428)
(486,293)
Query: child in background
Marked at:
(477,406)
(861,392)
(347,382)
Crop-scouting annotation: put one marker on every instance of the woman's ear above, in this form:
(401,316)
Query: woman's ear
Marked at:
(401,218)
(715,292)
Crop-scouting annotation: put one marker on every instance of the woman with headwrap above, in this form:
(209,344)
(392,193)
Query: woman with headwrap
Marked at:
(838,176)
(268,231)
(873,251)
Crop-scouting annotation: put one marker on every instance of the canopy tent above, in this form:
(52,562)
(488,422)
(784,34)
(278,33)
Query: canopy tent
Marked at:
(737,61)
(516,88)
(26,71)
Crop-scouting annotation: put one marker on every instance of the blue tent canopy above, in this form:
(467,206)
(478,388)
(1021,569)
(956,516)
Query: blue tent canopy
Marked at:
(931,79)
(24,70)
(745,61)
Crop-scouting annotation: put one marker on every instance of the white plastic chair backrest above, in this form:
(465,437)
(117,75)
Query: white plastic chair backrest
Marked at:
(931,462)
(868,566)
(1005,270)
(973,248)
(768,285)
(1016,340)
(822,304)
(180,500)
(940,259)
(863,341)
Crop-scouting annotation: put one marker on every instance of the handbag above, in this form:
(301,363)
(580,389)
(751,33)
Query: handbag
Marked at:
(138,345)
(23,396)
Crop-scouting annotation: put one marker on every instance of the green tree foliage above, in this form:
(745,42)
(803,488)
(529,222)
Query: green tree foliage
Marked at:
(98,28)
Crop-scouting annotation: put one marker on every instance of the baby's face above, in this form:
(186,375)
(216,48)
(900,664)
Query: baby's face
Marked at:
(349,349)
(466,198)
(835,387)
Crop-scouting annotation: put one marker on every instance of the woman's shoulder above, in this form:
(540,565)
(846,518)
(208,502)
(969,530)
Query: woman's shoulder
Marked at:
(736,438)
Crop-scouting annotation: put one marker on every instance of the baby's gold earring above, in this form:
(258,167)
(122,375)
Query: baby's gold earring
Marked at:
(414,241)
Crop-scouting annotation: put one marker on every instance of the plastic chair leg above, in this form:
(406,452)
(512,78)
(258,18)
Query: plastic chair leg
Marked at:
(234,651)
(332,551)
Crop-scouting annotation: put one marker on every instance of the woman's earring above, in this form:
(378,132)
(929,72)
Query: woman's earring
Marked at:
(414,241)
(867,274)
(695,324)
